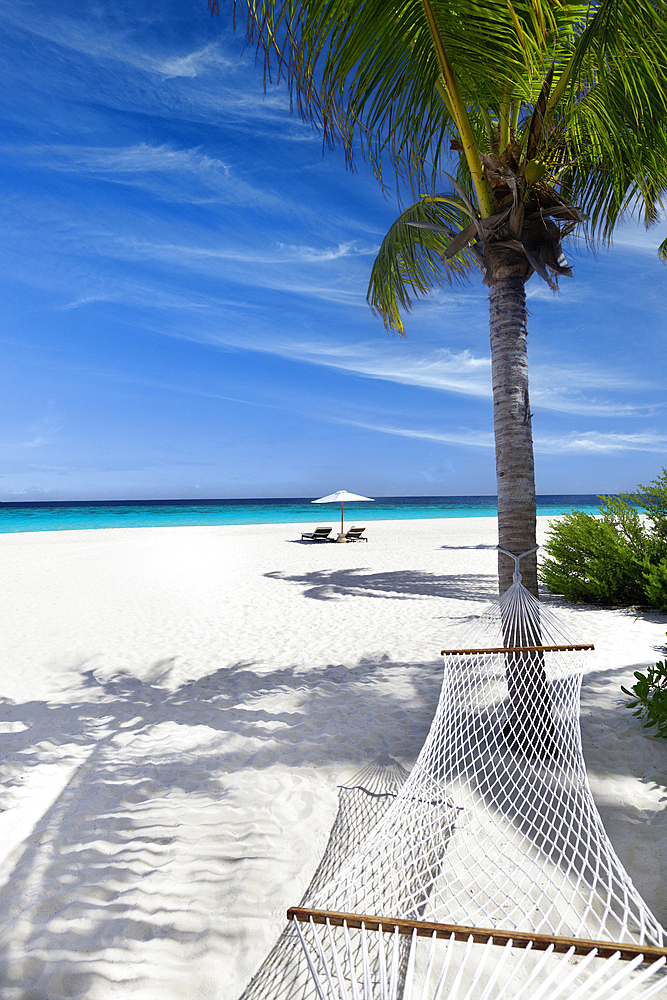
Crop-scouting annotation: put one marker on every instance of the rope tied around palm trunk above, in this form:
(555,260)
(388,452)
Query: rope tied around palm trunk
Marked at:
(516,578)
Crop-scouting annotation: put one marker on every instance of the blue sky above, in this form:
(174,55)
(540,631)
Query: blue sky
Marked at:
(183,294)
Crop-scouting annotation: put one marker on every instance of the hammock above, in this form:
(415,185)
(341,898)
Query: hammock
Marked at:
(493,838)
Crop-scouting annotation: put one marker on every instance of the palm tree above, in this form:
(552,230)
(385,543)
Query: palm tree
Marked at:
(554,115)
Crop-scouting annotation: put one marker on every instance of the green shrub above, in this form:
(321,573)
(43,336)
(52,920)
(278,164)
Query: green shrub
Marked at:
(617,557)
(653,500)
(589,561)
(656,584)
(649,697)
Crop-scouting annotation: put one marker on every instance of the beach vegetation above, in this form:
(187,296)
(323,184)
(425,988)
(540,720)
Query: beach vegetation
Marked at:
(512,126)
(618,556)
(648,697)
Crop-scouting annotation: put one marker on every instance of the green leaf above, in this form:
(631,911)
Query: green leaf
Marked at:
(649,697)
(412,260)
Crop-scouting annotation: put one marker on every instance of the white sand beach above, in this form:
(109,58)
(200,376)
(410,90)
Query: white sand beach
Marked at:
(179,706)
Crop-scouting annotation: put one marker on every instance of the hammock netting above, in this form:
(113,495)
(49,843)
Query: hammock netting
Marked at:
(495,828)
(496,825)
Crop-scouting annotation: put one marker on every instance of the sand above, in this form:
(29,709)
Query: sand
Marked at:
(180,705)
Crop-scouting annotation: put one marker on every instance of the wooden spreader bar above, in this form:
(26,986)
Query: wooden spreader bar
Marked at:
(519,939)
(518,649)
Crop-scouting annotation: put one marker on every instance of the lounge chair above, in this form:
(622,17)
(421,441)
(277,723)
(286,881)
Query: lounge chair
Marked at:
(354,535)
(319,535)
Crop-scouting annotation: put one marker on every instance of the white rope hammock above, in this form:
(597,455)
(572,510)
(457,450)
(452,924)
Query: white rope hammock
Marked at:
(495,835)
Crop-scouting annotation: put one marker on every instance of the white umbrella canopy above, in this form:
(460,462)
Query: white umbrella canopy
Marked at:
(341,497)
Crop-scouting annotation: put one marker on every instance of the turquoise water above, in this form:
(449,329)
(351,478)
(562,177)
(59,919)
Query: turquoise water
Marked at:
(70,515)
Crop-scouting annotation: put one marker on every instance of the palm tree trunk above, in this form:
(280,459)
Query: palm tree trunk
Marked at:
(530,728)
(515,469)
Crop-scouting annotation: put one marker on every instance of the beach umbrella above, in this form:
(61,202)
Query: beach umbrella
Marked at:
(341,497)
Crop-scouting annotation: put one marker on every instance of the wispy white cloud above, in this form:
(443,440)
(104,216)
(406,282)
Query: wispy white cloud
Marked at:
(95,38)
(596,442)
(286,268)
(179,175)
(580,405)
(83,300)
(351,248)
(560,388)
(584,389)
(639,240)
(124,159)
(201,83)
(585,442)
(462,438)
(588,389)
(153,297)
(278,253)
(192,64)
(442,369)
(542,293)
(39,432)
(581,374)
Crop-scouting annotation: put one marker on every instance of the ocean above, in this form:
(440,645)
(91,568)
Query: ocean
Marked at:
(69,515)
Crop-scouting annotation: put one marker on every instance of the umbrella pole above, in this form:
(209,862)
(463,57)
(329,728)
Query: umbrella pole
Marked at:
(341,517)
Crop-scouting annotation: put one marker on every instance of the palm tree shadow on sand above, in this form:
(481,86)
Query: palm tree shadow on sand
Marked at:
(84,897)
(408,584)
(120,878)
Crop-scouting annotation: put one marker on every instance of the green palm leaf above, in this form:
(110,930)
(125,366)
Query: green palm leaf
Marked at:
(412,261)
(367,73)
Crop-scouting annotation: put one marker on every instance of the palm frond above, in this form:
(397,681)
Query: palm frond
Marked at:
(366,71)
(615,158)
(412,260)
